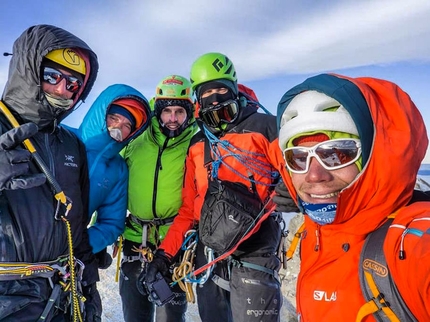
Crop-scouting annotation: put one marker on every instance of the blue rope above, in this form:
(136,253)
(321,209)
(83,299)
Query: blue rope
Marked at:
(256,103)
(246,158)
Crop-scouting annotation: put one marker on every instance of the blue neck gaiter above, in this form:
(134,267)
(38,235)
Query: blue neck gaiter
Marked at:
(320,213)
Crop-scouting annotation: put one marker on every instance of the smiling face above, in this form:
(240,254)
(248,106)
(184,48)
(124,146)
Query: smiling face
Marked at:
(319,185)
(173,117)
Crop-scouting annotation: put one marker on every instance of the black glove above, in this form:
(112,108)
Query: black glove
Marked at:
(104,259)
(283,200)
(14,160)
(93,303)
(160,263)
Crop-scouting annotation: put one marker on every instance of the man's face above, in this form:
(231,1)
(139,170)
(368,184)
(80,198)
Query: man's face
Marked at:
(319,185)
(120,122)
(59,83)
(173,116)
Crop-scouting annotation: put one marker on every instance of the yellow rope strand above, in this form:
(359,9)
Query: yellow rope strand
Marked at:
(76,311)
(180,272)
(118,261)
(146,252)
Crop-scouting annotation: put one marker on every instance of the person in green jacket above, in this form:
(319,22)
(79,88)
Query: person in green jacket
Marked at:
(156,162)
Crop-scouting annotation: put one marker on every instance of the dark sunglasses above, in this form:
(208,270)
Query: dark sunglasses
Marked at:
(53,77)
(332,155)
(225,112)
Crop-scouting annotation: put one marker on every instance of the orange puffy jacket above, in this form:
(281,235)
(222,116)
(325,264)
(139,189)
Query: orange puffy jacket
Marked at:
(328,287)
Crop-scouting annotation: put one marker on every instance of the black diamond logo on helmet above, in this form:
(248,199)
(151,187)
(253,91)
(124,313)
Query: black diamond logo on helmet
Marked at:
(217,64)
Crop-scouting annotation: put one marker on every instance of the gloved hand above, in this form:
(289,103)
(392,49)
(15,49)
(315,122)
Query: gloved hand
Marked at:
(283,200)
(160,263)
(104,259)
(93,303)
(14,160)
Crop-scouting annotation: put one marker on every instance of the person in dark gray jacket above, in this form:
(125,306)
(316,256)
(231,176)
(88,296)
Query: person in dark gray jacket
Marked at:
(46,262)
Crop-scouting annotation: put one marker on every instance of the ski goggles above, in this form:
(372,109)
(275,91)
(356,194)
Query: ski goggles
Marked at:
(53,77)
(224,112)
(332,155)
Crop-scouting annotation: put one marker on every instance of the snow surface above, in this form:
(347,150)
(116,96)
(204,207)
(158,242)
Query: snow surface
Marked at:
(112,308)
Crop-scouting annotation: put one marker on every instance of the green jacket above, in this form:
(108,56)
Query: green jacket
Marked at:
(156,170)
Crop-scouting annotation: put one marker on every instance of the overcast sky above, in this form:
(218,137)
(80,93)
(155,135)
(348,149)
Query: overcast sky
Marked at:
(274,44)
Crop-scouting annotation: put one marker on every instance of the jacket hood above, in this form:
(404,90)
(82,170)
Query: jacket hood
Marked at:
(23,92)
(397,142)
(93,130)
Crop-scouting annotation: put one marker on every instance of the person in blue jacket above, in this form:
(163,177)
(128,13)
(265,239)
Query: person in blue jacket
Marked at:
(118,115)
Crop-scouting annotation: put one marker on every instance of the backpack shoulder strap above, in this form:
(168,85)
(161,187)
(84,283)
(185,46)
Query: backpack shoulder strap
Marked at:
(383,298)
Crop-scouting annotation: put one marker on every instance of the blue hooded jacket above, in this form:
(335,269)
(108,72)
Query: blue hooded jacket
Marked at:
(107,169)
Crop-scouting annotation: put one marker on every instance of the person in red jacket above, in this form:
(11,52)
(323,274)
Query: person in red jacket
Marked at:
(241,152)
(353,147)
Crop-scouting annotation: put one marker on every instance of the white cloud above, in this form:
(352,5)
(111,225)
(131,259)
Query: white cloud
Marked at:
(140,42)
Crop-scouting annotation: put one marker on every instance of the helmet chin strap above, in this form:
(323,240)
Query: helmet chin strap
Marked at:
(60,103)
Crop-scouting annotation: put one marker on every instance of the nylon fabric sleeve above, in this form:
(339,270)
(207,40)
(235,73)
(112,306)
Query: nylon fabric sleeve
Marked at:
(15,160)
(82,250)
(111,214)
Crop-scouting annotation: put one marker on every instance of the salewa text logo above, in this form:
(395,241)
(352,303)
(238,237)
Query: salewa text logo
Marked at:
(323,296)
(69,161)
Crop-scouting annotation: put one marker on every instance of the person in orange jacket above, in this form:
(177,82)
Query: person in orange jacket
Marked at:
(353,147)
(236,147)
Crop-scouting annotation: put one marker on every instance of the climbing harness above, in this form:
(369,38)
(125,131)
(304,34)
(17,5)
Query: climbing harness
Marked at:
(143,253)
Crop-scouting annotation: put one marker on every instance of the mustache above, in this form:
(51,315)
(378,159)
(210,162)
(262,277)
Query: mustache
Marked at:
(170,123)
